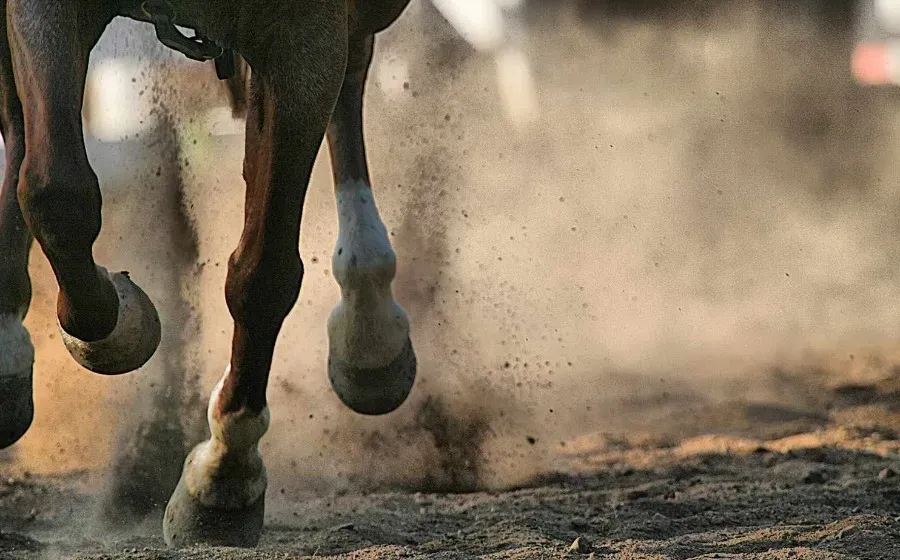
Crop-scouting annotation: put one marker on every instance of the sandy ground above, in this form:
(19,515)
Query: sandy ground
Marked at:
(661,320)
(741,481)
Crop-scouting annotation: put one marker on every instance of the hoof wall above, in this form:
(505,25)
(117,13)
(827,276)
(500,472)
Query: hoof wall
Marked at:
(16,407)
(16,391)
(188,522)
(374,391)
(131,344)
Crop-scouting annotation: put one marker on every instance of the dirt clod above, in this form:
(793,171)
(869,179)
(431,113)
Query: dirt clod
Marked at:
(814,476)
(579,546)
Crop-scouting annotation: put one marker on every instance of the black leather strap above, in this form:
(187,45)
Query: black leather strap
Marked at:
(225,65)
(162,14)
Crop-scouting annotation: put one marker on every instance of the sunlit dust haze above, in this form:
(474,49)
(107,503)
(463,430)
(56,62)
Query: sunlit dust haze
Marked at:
(706,206)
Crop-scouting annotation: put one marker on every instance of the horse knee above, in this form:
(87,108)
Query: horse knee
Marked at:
(61,204)
(261,289)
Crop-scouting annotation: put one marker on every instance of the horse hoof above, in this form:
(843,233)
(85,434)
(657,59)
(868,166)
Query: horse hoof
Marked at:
(188,522)
(16,366)
(134,339)
(222,511)
(374,391)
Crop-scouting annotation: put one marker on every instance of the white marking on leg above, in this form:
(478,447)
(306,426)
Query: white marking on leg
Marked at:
(237,432)
(227,470)
(16,350)
(367,329)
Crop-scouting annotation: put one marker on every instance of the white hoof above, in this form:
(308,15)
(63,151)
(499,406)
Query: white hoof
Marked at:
(374,391)
(16,365)
(134,339)
(371,362)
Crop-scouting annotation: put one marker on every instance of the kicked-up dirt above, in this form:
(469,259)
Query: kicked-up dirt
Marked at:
(639,322)
(736,480)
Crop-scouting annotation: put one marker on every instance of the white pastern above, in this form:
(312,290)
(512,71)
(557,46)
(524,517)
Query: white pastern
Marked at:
(367,329)
(227,471)
(16,350)
(237,432)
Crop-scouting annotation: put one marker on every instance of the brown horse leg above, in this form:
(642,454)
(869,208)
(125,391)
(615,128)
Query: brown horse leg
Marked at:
(296,78)
(108,324)
(371,362)
(16,350)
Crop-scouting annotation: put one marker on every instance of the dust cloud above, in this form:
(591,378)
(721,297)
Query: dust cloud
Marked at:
(705,210)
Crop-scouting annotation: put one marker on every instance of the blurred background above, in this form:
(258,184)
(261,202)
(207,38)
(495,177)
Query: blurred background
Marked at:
(604,212)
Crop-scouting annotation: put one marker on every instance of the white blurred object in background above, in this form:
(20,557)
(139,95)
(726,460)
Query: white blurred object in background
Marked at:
(480,22)
(516,85)
(132,76)
(489,26)
(495,27)
(121,100)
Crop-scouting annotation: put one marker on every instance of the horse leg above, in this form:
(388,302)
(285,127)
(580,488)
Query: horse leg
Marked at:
(296,76)
(16,350)
(371,362)
(108,324)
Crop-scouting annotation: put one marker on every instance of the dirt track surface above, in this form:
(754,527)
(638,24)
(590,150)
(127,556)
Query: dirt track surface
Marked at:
(727,205)
(738,480)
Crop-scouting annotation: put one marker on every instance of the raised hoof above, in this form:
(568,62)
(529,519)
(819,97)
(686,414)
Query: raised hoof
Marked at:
(131,344)
(374,391)
(188,522)
(16,393)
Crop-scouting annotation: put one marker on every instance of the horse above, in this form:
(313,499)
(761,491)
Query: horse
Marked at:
(307,64)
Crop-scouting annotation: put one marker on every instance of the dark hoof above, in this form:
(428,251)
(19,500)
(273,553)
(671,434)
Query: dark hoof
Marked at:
(188,522)
(131,344)
(16,408)
(378,390)
(16,393)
